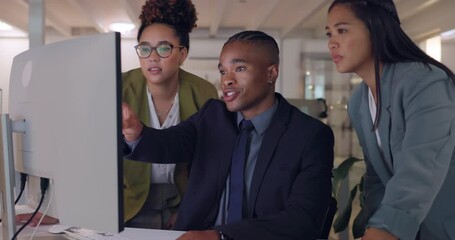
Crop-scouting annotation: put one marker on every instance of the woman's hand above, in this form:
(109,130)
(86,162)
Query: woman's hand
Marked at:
(200,235)
(171,222)
(131,126)
(378,234)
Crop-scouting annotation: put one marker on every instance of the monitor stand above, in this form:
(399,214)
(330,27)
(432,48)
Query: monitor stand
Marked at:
(7,179)
(7,174)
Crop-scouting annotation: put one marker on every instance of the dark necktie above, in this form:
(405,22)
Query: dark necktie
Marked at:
(236,184)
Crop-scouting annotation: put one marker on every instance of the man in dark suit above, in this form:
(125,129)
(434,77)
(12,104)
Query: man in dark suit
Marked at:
(287,175)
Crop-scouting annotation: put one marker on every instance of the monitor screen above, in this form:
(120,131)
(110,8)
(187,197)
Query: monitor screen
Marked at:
(69,95)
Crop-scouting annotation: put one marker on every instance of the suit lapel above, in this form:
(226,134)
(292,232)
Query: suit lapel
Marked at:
(269,143)
(384,122)
(186,98)
(139,101)
(371,144)
(224,153)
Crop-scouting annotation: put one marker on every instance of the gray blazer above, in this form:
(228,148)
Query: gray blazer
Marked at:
(410,184)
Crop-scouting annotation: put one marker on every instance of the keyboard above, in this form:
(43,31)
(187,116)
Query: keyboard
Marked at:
(76,233)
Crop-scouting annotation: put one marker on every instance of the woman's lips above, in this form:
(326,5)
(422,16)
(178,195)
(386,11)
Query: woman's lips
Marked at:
(154,69)
(336,58)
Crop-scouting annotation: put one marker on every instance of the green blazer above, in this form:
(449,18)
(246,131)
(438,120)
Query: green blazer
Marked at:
(193,93)
(410,185)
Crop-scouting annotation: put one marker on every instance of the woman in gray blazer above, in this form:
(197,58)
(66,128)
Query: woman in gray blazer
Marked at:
(404,115)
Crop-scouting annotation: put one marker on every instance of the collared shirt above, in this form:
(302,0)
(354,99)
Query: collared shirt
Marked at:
(260,123)
(163,173)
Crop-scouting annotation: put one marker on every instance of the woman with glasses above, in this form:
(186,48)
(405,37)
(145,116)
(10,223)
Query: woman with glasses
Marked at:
(161,94)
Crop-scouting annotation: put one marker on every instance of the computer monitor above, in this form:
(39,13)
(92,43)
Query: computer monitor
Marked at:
(69,95)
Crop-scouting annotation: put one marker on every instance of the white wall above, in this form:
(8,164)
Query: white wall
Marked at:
(291,83)
(438,17)
(10,47)
(203,59)
(448,54)
(128,55)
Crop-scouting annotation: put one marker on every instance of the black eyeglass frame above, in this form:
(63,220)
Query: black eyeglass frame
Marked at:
(154,48)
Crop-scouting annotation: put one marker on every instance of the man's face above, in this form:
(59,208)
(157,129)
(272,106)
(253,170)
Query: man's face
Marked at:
(247,78)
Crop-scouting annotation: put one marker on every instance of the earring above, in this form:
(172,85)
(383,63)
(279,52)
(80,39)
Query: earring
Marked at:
(270,82)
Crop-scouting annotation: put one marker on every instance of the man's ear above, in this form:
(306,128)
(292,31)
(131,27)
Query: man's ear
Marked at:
(272,72)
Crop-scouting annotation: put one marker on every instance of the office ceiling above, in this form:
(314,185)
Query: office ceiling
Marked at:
(216,18)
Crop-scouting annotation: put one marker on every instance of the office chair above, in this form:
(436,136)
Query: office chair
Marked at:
(328,219)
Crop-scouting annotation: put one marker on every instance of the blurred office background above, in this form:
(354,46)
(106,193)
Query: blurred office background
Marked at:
(306,69)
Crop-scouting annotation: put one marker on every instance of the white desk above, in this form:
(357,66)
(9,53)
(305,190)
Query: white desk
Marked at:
(150,234)
(130,233)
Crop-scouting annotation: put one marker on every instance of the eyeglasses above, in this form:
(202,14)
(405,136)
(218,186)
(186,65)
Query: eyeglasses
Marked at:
(163,50)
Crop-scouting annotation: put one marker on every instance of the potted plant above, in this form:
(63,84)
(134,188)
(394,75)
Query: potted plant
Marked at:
(343,217)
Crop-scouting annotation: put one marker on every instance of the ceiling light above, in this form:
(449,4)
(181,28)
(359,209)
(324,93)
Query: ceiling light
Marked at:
(5,26)
(121,27)
(448,35)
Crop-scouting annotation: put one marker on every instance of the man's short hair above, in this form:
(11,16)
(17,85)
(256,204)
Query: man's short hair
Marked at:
(261,38)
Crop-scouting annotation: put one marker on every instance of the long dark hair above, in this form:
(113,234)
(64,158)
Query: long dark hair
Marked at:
(389,42)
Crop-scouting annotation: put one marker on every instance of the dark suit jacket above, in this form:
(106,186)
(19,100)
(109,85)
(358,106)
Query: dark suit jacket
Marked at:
(291,184)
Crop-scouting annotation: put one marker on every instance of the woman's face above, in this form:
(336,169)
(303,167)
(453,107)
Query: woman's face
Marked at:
(349,41)
(156,69)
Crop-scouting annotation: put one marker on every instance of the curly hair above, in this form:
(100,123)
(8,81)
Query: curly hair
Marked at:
(178,14)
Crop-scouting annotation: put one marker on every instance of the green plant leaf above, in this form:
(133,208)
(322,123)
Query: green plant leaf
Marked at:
(341,172)
(360,221)
(361,192)
(342,220)
(360,224)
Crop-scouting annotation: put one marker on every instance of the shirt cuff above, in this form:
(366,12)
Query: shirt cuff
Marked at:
(131,145)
